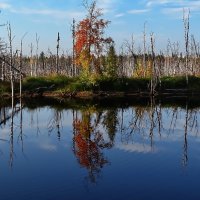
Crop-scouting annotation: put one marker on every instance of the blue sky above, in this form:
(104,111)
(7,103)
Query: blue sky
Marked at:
(47,17)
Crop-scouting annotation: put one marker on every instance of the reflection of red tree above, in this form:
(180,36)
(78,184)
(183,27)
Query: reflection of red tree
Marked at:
(88,153)
(87,148)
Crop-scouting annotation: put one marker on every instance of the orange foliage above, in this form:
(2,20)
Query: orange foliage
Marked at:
(86,150)
(82,35)
(89,40)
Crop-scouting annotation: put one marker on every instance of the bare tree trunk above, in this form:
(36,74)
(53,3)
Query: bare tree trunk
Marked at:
(3,71)
(185,146)
(20,66)
(74,72)
(186,21)
(36,62)
(31,59)
(20,71)
(21,125)
(195,54)
(11,59)
(57,54)
(144,53)
(153,82)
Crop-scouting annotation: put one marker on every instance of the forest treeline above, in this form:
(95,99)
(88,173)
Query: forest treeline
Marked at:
(94,56)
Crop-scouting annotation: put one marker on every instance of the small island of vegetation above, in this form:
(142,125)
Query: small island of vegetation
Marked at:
(95,69)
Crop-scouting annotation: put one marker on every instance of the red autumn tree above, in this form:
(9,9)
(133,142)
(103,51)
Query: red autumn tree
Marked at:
(89,39)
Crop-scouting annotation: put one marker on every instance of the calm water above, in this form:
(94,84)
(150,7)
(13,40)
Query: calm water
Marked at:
(100,152)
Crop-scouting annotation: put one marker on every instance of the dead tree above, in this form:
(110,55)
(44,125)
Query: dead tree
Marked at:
(20,66)
(73,48)
(10,38)
(57,53)
(31,58)
(37,47)
(153,74)
(130,46)
(3,65)
(186,22)
(144,50)
(194,55)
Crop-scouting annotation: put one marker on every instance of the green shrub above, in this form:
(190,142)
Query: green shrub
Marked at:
(178,82)
(4,87)
(32,83)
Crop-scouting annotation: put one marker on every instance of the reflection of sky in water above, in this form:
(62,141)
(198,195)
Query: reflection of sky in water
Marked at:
(135,147)
(141,157)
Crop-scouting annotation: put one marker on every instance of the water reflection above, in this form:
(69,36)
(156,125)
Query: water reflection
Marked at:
(55,123)
(88,142)
(138,129)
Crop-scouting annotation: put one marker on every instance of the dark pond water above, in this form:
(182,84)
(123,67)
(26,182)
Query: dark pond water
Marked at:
(91,151)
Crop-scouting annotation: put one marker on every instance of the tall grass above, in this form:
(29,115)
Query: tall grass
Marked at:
(32,83)
(63,83)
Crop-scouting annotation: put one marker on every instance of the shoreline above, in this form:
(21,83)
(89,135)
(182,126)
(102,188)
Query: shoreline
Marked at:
(110,101)
(107,94)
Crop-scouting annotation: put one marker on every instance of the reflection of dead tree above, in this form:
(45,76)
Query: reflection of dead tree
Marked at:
(34,122)
(74,118)
(97,119)
(55,122)
(174,119)
(6,116)
(21,125)
(159,117)
(3,115)
(152,122)
(144,122)
(139,122)
(38,129)
(127,132)
(122,120)
(12,136)
(137,125)
(155,117)
(191,124)
(193,121)
(185,146)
